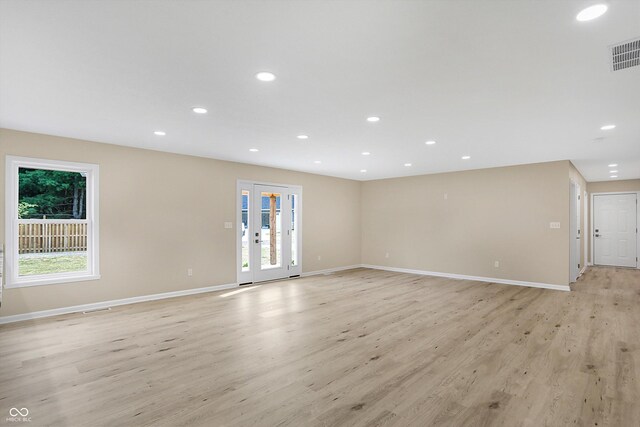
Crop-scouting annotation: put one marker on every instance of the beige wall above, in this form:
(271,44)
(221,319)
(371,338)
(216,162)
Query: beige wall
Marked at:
(162,213)
(613,186)
(499,214)
(609,187)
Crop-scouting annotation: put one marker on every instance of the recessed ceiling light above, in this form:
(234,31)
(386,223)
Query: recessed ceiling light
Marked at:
(608,127)
(373,119)
(613,176)
(466,157)
(365,153)
(407,164)
(265,76)
(613,165)
(159,133)
(363,171)
(430,142)
(253,150)
(303,136)
(199,110)
(317,162)
(592,12)
(613,171)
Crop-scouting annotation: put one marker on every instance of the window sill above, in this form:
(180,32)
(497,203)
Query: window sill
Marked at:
(51,281)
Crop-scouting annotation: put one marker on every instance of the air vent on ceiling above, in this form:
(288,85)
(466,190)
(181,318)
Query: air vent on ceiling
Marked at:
(625,55)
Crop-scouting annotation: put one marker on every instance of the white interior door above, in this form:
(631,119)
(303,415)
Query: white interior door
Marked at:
(269,232)
(585,235)
(574,235)
(615,229)
(578,241)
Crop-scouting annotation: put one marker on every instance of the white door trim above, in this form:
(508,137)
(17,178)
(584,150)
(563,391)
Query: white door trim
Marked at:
(591,228)
(585,235)
(574,225)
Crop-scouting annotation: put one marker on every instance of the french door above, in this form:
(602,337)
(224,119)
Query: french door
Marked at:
(269,232)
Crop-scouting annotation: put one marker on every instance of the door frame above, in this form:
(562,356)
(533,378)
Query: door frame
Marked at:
(575,231)
(585,226)
(591,228)
(243,277)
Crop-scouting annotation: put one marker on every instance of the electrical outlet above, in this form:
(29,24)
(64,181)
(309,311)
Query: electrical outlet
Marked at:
(446,196)
(496,264)
(554,225)
(189,272)
(386,255)
(228,225)
(319,257)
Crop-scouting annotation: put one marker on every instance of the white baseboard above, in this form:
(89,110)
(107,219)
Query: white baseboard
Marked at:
(330,270)
(143,298)
(112,303)
(154,297)
(583,270)
(476,278)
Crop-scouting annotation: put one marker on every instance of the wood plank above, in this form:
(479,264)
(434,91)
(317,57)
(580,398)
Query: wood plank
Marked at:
(360,347)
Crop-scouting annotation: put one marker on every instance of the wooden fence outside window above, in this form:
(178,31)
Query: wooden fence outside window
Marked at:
(51,235)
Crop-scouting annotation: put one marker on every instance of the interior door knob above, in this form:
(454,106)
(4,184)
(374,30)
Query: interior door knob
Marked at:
(597,235)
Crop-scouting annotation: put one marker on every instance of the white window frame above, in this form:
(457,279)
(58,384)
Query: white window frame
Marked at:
(13,164)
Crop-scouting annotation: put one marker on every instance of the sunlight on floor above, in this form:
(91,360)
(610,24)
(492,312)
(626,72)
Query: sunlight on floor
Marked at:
(228,294)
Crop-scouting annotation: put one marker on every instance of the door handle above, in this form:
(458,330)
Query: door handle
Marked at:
(257,241)
(597,235)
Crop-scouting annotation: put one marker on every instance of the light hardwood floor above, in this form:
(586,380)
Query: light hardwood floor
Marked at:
(361,347)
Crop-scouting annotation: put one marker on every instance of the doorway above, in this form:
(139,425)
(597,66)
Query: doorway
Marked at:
(575,232)
(269,232)
(615,222)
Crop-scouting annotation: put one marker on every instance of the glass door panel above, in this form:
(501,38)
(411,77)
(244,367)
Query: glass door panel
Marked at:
(294,229)
(271,230)
(245,236)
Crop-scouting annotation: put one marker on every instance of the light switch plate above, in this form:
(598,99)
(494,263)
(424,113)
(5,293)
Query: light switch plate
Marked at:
(228,225)
(554,225)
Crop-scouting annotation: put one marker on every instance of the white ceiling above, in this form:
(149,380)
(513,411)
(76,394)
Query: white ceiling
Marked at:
(504,82)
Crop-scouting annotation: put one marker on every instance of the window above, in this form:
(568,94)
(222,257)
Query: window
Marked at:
(245,231)
(51,222)
(294,229)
